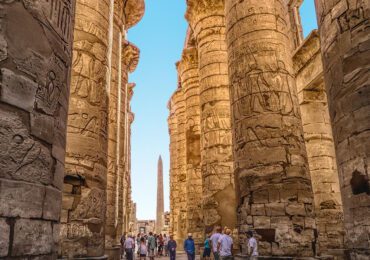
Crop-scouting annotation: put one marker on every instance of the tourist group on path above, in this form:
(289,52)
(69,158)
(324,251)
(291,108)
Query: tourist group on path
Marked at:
(219,243)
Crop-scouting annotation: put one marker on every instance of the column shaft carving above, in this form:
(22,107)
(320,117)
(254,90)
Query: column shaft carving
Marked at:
(345,40)
(206,18)
(35,62)
(189,76)
(84,198)
(274,187)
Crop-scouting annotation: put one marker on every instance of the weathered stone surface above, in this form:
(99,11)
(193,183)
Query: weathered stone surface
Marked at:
(35,59)
(319,144)
(269,150)
(207,21)
(32,237)
(189,76)
(4,237)
(344,33)
(87,132)
(159,223)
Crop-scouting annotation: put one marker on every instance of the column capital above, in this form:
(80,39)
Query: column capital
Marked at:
(197,9)
(130,56)
(133,12)
(188,60)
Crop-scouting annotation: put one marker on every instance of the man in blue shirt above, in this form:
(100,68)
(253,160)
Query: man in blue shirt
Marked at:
(189,247)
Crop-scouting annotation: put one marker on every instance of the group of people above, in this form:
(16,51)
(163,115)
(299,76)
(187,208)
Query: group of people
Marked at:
(220,243)
(151,245)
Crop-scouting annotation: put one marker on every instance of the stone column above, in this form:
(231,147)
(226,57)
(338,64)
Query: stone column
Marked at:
(320,145)
(179,181)
(207,20)
(129,61)
(113,129)
(345,40)
(275,195)
(35,61)
(188,71)
(172,127)
(85,182)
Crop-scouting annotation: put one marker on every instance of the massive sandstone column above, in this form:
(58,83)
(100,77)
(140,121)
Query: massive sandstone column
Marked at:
(129,62)
(84,200)
(320,145)
(188,73)
(178,191)
(345,40)
(172,129)
(159,223)
(111,222)
(206,18)
(35,61)
(275,194)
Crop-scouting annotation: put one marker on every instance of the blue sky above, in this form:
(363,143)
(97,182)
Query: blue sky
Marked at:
(160,37)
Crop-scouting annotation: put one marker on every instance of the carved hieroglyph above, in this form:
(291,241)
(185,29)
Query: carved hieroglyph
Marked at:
(178,187)
(275,194)
(113,117)
(320,145)
(84,200)
(206,18)
(189,76)
(345,40)
(35,60)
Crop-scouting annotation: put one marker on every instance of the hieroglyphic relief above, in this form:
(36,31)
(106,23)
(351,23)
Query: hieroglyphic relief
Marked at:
(268,145)
(344,36)
(35,67)
(215,134)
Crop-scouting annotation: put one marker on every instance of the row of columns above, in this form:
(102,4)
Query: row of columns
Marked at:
(283,170)
(65,184)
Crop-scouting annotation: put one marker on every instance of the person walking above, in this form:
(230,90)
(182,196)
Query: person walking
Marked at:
(225,246)
(165,244)
(138,243)
(189,247)
(207,248)
(122,241)
(171,247)
(252,246)
(143,249)
(160,245)
(129,248)
(151,245)
(214,243)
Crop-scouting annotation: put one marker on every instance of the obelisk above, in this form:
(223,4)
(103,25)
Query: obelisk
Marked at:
(160,200)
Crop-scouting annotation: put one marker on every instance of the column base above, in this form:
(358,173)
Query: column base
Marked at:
(113,253)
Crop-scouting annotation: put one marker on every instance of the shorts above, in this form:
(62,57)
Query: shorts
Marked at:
(207,252)
(142,255)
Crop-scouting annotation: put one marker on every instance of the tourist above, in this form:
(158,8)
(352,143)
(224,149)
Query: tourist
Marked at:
(214,239)
(207,248)
(122,241)
(189,247)
(165,244)
(160,245)
(151,245)
(143,249)
(252,246)
(138,242)
(225,246)
(171,247)
(129,246)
